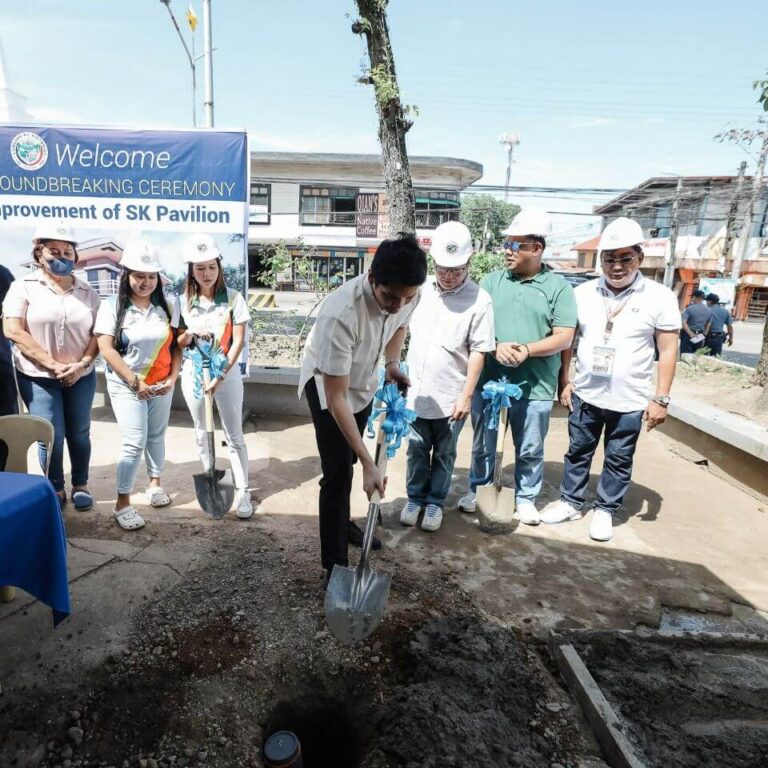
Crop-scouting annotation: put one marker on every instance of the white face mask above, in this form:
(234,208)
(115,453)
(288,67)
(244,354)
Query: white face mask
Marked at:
(623,282)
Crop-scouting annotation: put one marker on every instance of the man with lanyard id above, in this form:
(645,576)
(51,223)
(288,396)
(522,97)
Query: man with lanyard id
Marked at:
(620,315)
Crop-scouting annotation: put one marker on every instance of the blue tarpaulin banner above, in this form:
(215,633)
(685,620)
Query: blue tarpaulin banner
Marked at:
(113,185)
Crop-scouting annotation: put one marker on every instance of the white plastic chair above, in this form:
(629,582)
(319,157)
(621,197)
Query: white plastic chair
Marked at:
(19,433)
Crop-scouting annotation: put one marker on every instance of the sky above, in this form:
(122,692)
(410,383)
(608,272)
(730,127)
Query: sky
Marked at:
(601,93)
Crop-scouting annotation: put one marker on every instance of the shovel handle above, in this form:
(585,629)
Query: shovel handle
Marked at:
(208,399)
(501,432)
(373,506)
(380,459)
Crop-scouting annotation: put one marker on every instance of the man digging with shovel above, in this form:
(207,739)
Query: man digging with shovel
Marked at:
(356,324)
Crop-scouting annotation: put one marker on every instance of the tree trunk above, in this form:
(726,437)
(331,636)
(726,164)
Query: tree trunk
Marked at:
(762,363)
(393,123)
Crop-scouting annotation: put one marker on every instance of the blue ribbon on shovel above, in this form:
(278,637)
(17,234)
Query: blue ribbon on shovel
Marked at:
(207,354)
(397,418)
(499,394)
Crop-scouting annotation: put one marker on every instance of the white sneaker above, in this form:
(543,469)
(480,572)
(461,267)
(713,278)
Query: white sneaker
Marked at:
(560,512)
(527,512)
(409,515)
(433,518)
(467,503)
(244,505)
(601,527)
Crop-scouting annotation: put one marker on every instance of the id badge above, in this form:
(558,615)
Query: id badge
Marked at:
(602,362)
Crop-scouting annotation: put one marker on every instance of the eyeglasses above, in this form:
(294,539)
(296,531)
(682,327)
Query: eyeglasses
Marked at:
(514,246)
(451,271)
(625,261)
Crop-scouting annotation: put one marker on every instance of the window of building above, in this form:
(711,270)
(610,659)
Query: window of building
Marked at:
(435,207)
(331,206)
(260,203)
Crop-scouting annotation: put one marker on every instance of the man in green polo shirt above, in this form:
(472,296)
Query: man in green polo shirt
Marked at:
(535,320)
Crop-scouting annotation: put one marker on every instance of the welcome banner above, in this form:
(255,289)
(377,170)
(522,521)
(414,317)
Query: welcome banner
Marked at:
(112,186)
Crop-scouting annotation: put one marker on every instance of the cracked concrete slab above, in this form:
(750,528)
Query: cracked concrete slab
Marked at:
(104,602)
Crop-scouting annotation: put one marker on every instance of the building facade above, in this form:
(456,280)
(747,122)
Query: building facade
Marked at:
(332,208)
(711,238)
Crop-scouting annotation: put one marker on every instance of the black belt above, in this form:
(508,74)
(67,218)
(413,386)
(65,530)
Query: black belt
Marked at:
(717,333)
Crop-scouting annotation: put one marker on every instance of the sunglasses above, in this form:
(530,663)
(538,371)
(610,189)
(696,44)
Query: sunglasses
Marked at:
(625,261)
(514,246)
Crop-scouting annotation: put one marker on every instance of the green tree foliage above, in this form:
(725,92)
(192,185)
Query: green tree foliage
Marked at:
(475,209)
(483,263)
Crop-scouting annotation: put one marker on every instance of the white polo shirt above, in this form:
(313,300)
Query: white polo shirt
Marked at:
(146,337)
(348,338)
(644,308)
(446,328)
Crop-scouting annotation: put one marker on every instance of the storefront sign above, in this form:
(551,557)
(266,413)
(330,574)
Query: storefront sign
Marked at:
(367,214)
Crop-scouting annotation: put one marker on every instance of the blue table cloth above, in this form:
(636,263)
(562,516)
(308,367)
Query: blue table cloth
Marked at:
(33,545)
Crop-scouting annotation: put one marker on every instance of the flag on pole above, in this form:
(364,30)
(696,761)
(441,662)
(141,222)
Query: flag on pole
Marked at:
(191,18)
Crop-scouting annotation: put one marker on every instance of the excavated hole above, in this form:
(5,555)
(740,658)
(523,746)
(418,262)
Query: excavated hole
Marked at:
(332,732)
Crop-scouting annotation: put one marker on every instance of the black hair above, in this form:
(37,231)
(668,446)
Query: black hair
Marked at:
(697,294)
(157,297)
(714,298)
(399,261)
(540,240)
(638,250)
(192,289)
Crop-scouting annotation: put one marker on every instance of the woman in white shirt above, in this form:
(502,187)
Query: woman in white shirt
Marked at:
(210,310)
(137,337)
(49,316)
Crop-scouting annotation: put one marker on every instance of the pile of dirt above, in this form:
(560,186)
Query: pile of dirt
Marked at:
(474,698)
(238,649)
(688,704)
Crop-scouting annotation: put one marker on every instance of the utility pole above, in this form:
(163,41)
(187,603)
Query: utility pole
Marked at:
(510,141)
(732,214)
(669,271)
(190,56)
(746,227)
(208,61)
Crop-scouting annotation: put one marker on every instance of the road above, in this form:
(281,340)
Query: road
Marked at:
(748,339)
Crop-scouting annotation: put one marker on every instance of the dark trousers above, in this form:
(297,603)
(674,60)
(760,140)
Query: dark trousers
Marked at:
(687,346)
(9,403)
(585,425)
(336,462)
(714,343)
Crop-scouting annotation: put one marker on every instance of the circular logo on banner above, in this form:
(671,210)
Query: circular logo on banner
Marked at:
(452,248)
(29,151)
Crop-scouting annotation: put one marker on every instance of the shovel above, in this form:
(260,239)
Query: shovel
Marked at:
(356,597)
(496,504)
(215,489)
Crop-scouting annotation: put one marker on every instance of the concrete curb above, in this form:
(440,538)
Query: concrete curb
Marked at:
(602,719)
(729,428)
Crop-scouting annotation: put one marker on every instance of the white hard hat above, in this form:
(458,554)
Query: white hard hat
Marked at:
(199,248)
(451,244)
(530,221)
(620,233)
(141,256)
(55,230)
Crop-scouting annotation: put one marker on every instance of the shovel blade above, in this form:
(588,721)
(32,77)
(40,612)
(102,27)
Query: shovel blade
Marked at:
(355,602)
(495,509)
(215,492)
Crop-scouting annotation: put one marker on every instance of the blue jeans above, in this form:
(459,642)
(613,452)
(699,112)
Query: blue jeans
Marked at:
(431,456)
(69,410)
(142,425)
(529,423)
(585,425)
